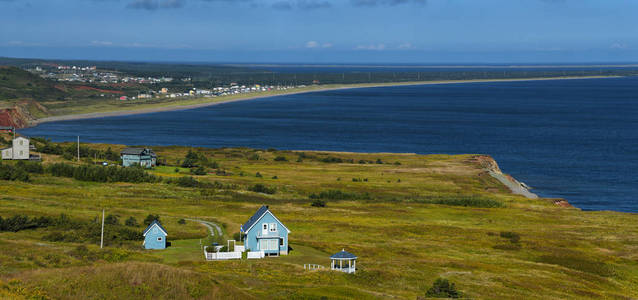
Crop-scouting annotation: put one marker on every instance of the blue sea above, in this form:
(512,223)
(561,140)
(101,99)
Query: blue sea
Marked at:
(572,139)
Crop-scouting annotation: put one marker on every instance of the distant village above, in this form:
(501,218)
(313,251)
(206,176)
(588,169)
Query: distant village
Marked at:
(92,75)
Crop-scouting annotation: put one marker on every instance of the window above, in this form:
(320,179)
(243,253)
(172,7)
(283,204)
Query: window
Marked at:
(20,142)
(21,152)
(159,238)
(265,226)
(281,242)
(270,244)
(273,227)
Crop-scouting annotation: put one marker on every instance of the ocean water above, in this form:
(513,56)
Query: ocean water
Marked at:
(573,139)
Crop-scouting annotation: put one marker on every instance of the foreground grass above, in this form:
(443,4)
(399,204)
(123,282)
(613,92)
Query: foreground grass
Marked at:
(403,241)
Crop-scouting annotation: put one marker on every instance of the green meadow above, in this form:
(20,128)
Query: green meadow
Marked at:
(409,218)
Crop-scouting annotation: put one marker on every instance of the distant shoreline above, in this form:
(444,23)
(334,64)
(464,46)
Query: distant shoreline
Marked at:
(175,106)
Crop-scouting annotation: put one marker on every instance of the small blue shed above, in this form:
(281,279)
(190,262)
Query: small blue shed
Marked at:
(264,232)
(155,236)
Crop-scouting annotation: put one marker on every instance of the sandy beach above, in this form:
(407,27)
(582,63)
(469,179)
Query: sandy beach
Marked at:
(175,106)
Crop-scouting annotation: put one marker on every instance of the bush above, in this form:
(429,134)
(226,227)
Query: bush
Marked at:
(318,203)
(186,181)
(260,188)
(181,221)
(442,288)
(8,172)
(198,171)
(258,175)
(512,236)
(131,222)
(331,159)
(468,201)
(111,220)
(30,166)
(102,174)
(340,195)
(150,218)
(281,158)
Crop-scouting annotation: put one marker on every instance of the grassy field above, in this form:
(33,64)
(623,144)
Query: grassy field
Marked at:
(403,215)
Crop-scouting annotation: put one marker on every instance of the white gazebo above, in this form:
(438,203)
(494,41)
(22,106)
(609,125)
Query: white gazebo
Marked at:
(343,261)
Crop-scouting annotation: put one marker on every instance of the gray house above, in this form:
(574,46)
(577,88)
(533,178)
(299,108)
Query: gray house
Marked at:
(138,156)
(19,149)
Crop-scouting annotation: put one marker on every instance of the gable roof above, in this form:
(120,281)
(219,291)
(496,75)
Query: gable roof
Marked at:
(154,223)
(133,151)
(343,254)
(263,210)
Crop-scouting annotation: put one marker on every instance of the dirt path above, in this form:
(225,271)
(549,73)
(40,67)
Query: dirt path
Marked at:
(212,227)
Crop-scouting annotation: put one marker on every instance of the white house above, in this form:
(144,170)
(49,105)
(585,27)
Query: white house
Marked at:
(19,149)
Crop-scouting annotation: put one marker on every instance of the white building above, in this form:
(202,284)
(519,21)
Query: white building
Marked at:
(19,149)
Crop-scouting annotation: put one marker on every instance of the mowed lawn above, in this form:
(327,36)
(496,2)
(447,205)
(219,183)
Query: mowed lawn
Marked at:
(389,218)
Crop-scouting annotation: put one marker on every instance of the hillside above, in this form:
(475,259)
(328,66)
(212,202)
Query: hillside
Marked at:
(16,83)
(409,218)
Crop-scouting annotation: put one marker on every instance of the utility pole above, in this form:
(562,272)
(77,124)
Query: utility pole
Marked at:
(78,148)
(102,236)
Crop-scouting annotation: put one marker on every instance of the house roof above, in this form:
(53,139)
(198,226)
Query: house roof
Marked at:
(343,254)
(154,223)
(136,151)
(257,216)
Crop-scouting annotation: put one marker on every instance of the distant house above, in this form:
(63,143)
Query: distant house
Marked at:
(8,129)
(138,156)
(264,232)
(155,236)
(123,98)
(19,149)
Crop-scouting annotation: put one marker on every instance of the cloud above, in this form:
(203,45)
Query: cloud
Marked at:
(300,4)
(405,46)
(378,47)
(315,44)
(101,43)
(372,3)
(620,46)
(155,4)
(312,44)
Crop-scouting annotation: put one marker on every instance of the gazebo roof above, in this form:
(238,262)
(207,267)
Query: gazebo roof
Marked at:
(343,254)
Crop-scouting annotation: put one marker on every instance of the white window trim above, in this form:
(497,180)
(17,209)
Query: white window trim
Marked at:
(273,227)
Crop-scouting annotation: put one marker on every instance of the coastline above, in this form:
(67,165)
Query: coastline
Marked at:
(176,106)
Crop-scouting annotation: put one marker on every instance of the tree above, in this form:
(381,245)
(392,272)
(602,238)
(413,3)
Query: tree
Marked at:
(150,218)
(442,288)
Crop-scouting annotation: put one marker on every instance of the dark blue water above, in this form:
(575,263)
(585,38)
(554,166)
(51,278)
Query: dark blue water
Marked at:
(575,139)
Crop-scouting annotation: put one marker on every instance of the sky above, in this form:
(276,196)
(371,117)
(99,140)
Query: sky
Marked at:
(323,31)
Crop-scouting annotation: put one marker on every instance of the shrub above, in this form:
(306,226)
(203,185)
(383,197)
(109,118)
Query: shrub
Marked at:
(186,181)
(468,201)
(340,195)
(111,220)
(379,161)
(131,222)
(442,288)
(331,159)
(281,158)
(258,175)
(102,174)
(260,188)
(275,177)
(150,218)
(181,221)
(30,167)
(198,171)
(318,203)
(512,236)
(8,172)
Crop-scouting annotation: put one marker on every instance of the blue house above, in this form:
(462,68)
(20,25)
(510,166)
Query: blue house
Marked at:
(138,156)
(264,232)
(155,236)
